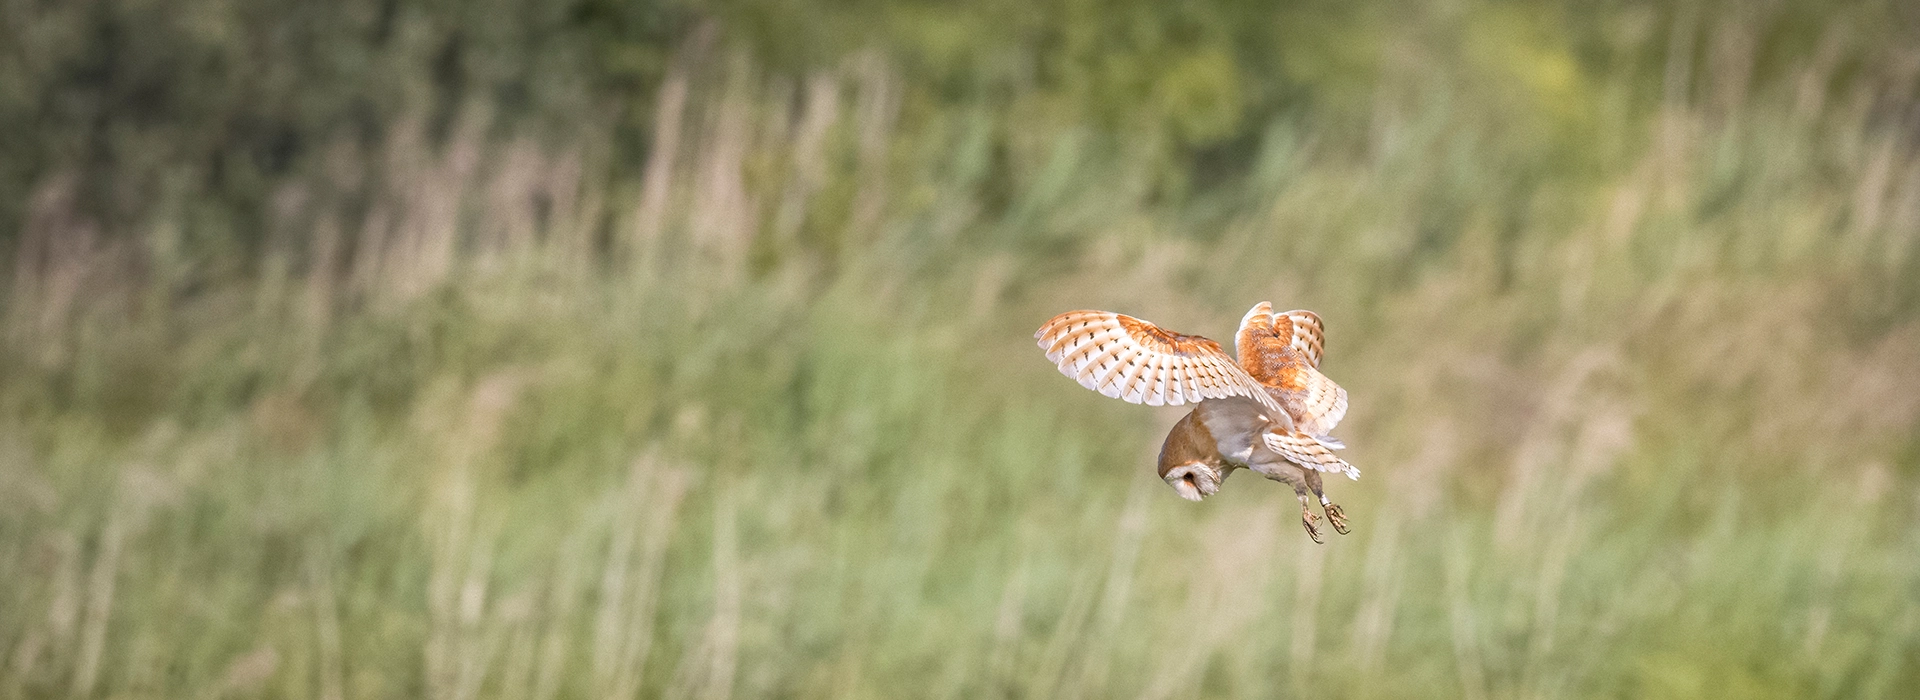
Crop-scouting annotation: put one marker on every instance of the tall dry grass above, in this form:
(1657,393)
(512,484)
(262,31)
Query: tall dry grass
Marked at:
(479,423)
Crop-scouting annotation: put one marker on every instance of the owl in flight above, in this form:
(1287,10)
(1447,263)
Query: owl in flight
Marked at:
(1269,411)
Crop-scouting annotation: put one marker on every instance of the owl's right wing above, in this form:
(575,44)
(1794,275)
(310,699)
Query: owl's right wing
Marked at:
(1138,362)
(1283,351)
(1305,334)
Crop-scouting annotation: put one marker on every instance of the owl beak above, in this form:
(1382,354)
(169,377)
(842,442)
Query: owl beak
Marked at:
(1193,481)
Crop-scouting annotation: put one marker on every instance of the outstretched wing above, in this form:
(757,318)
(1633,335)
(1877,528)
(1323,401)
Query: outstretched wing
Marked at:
(1308,451)
(1138,362)
(1282,352)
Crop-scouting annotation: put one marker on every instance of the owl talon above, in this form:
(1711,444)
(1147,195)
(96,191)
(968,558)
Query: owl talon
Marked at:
(1306,520)
(1338,518)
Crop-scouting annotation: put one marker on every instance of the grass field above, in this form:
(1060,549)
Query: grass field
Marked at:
(770,422)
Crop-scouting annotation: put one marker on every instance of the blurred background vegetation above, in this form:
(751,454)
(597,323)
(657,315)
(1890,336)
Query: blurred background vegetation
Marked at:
(529,349)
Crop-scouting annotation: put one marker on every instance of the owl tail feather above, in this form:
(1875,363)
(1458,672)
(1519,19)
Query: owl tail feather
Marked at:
(1311,452)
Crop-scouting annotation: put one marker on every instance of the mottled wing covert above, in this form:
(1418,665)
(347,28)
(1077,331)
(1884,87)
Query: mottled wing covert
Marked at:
(1138,362)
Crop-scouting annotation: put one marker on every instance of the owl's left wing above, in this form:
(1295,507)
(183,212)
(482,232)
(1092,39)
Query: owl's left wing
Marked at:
(1138,362)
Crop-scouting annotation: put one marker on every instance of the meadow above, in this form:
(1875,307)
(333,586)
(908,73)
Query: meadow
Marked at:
(478,406)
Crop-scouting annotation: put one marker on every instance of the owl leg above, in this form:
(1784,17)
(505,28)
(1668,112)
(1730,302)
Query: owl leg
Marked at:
(1292,476)
(1334,514)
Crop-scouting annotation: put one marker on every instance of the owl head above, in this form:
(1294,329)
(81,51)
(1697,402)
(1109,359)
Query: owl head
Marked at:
(1194,480)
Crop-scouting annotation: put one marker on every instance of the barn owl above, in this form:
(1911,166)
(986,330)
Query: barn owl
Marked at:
(1270,411)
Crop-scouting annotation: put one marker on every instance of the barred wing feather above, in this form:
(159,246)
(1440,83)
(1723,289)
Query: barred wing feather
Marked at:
(1307,335)
(1316,403)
